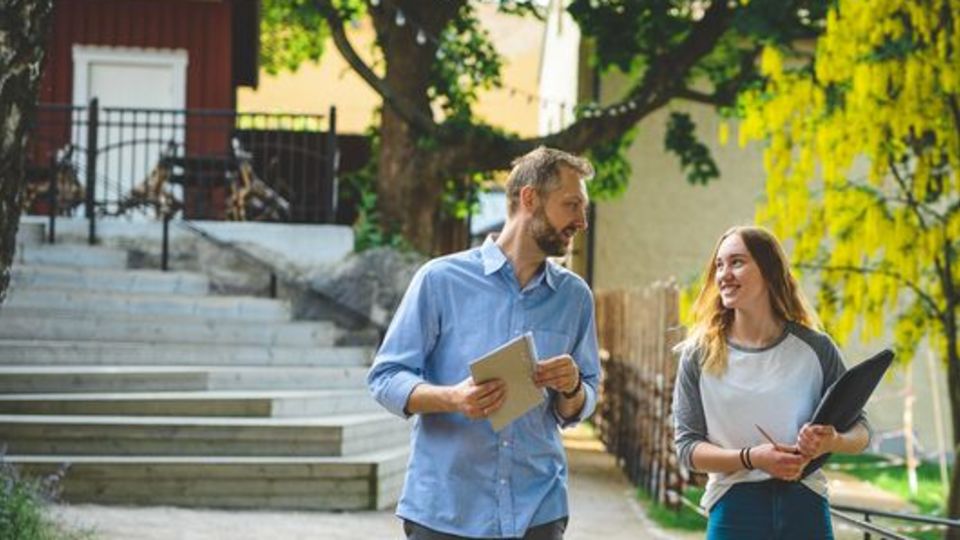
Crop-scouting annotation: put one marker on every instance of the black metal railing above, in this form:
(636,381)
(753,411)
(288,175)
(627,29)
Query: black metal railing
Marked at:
(188,164)
(869,528)
(845,514)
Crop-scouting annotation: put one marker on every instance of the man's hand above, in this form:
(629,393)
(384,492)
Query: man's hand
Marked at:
(477,401)
(816,439)
(779,464)
(559,373)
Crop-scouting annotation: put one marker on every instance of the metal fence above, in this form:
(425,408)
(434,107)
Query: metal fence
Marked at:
(194,164)
(637,331)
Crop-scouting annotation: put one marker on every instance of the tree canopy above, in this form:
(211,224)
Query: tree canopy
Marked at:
(863,162)
(436,56)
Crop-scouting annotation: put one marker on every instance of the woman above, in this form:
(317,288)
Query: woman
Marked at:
(754,359)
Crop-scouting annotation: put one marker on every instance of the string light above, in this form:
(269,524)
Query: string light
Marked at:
(592,110)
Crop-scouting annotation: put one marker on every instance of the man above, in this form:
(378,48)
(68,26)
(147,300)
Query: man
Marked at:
(464,480)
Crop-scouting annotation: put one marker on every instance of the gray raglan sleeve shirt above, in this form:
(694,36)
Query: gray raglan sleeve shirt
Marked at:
(690,424)
(831,362)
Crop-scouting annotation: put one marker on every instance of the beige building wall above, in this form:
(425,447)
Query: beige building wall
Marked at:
(663,227)
(314,87)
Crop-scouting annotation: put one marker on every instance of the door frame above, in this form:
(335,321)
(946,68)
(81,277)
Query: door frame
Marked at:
(85,55)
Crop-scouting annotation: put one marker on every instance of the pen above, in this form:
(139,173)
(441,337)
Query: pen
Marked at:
(775,444)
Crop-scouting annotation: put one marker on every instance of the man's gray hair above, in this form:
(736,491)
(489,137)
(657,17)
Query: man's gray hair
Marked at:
(540,169)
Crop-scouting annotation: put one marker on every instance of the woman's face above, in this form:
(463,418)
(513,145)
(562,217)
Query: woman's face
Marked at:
(738,276)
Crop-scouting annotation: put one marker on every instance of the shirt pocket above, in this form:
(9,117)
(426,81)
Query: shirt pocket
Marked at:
(551,343)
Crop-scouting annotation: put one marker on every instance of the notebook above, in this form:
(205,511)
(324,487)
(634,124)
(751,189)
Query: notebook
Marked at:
(844,400)
(513,362)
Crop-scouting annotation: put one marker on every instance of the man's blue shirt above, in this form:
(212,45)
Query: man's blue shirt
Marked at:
(463,478)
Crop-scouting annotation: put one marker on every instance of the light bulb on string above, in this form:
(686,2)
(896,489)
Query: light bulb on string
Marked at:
(421,37)
(374,3)
(400,20)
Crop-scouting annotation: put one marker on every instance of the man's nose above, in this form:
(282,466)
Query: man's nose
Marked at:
(582,222)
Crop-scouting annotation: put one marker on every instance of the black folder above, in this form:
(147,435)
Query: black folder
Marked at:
(843,402)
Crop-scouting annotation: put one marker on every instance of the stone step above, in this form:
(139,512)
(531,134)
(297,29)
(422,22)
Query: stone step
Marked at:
(105,279)
(30,234)
(83,303)
(261,404)
(26,323)
(369,481)
(339,435)
(72,255)
(50,352)
(72,379)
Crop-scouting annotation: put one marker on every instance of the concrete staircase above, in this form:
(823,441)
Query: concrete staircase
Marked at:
(156,392)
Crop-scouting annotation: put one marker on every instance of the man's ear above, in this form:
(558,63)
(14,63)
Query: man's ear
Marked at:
(529,198)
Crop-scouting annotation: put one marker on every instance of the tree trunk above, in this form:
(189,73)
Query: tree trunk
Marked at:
(953,388)
(23,32)
(409,182)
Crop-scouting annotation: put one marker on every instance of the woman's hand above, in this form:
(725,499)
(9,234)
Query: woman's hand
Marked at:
(782,461)
(816,439)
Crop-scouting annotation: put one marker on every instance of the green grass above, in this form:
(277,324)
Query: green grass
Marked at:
(23,503)
(684,519)
(929,499)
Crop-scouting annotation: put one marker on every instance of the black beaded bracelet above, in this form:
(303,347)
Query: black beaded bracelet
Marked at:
(573,393)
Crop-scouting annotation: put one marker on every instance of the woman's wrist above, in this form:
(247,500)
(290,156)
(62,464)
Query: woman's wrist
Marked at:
(746,460)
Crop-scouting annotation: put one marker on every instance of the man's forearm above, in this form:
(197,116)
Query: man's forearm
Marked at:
(429,398)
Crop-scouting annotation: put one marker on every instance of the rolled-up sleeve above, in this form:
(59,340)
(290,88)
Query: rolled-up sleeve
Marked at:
(690,424)
(399,364)
(587,356)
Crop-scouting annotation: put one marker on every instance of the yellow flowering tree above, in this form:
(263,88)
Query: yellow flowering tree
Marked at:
(863,163)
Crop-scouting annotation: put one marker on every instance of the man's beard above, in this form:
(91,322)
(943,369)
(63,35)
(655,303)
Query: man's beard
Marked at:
(550,241)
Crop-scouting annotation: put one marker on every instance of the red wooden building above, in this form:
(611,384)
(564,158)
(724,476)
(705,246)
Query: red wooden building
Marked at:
(173,54)
(164,74)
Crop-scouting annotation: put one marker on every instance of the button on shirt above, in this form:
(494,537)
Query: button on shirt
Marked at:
(463,478)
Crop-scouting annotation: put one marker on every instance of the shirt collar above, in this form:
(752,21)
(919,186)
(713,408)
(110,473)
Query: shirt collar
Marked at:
(494,259)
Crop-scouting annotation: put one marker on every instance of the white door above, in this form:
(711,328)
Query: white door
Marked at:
(138,90)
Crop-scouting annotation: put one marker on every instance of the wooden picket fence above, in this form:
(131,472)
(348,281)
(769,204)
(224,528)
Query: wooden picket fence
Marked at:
(638,330)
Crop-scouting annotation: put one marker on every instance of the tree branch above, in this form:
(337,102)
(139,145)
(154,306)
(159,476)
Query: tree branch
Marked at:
(699,97)
(849,269)
(726,93)
(482,150)
(911,202)
(403,107)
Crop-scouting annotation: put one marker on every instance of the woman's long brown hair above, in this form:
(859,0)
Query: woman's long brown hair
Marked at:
(712,321)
